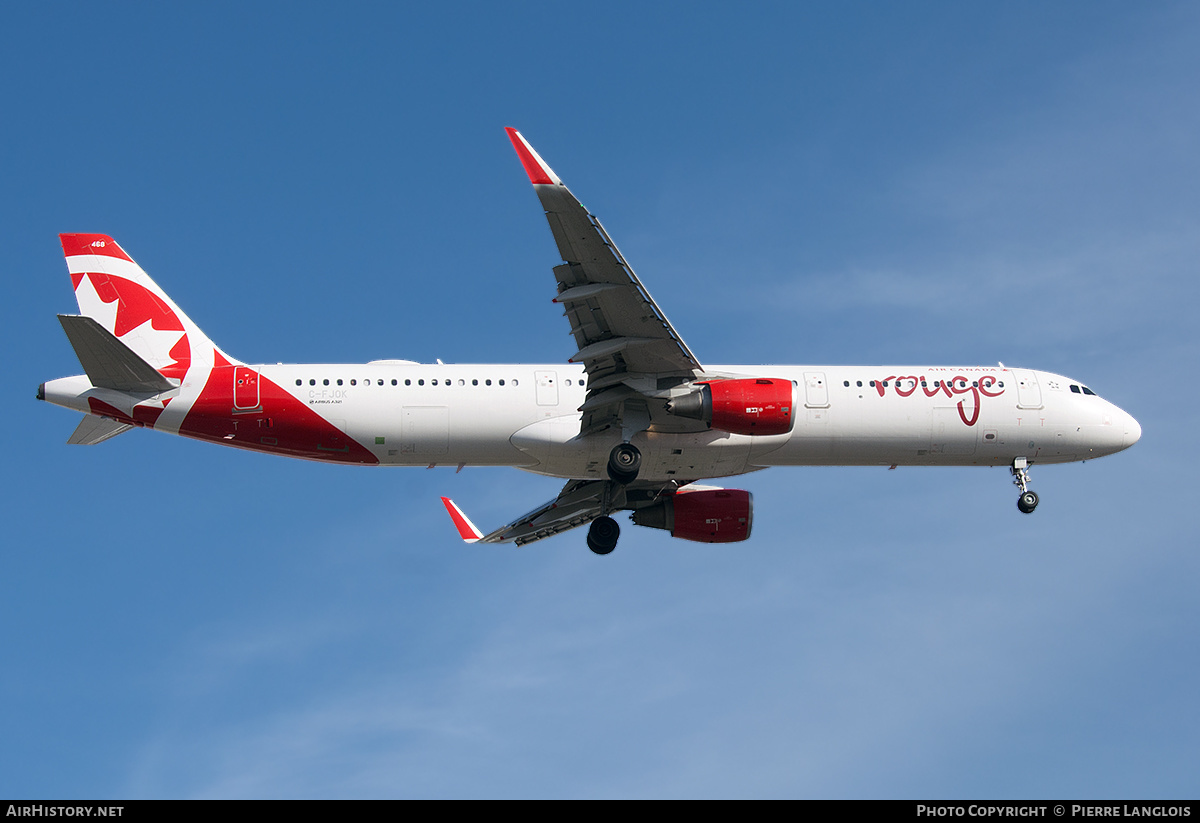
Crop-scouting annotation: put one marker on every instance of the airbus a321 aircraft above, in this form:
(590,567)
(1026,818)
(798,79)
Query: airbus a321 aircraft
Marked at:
(631,422)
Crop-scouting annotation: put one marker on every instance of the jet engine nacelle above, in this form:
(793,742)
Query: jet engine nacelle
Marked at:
(755,405)
(703,515)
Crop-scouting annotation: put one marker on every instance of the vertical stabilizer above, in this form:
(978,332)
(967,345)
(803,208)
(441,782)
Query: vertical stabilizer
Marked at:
(115,292)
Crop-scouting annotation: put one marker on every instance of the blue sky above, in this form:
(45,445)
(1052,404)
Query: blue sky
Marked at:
(797,183)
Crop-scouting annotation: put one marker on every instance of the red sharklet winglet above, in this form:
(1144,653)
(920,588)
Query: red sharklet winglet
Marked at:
(539,173)
(77,244)
(466,529)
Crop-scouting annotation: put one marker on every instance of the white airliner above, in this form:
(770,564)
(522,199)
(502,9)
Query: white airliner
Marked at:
(631,422)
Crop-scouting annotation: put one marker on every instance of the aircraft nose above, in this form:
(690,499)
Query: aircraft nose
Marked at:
(1133,431)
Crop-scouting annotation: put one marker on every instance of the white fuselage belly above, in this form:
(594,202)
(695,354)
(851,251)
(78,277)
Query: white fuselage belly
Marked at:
(526,416)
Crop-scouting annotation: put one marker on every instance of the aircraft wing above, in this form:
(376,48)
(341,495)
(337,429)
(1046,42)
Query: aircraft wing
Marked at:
(580,502)
(621,332)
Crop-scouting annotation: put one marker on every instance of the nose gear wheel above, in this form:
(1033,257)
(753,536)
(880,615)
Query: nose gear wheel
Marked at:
(1028,500)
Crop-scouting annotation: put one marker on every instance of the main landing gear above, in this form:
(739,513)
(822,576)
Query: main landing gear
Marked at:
(1028,500)
(603,534)
(624,461)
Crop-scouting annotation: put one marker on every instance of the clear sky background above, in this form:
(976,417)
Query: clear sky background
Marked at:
(905,183)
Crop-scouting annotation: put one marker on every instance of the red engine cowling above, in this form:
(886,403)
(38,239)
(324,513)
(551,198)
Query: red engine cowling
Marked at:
(751,405)
(704,515)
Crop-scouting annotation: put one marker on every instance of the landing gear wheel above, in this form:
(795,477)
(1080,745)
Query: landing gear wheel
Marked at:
(624,461)
(603,534)
(1027,502)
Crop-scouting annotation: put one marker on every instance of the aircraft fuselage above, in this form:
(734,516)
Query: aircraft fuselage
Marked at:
(526,416)
(631,423)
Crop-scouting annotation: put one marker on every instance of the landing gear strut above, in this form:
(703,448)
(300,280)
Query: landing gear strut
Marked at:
(603,534)
(624,461)
(1028,500)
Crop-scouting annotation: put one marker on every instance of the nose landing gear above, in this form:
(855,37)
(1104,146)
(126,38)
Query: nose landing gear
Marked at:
(1028,500)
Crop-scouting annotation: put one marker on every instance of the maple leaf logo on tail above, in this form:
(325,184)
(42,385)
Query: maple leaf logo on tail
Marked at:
(114,291)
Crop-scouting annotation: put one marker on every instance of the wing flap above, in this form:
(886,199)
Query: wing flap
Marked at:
(579,503)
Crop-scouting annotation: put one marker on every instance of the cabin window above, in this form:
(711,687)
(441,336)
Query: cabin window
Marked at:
(407,382)
(501,382)
(312,382)
(487,382)
(339,381)
(395,381)
(421,382)
(299,382)
(474,382)
(846,383)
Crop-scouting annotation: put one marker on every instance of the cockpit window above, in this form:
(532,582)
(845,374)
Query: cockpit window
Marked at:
(1074,388)
(1086,390)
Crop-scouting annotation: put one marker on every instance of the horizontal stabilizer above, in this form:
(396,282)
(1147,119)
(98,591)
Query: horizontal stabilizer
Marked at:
(109,363)
(92,430)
